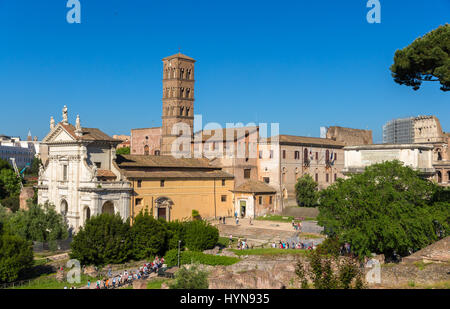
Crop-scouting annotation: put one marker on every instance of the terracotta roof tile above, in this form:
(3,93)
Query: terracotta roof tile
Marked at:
(177,174)
(254,186)
(304,140)
(124,161)
(105,173)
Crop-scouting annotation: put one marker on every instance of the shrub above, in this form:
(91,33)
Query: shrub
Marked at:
(190,257)
(200,235)
(192,278)
(11,202)
(102,240)
(176,231)
(330,246)
(148,236)
(16,255)
(306,191)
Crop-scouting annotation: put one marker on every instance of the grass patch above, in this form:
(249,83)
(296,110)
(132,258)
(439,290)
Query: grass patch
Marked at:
(269,252)
(189,257)
(156,284)
(50,282)
(421,264)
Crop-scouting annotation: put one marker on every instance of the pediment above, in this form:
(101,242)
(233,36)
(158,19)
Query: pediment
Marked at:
(58,135)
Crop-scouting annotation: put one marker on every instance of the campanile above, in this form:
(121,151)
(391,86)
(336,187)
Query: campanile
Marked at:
(178,98)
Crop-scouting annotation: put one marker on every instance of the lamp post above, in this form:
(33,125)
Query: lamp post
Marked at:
(179,244)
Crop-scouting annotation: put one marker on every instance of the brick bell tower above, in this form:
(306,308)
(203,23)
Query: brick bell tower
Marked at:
(178,98)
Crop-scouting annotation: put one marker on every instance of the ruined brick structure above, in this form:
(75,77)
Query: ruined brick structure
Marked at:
(349,136)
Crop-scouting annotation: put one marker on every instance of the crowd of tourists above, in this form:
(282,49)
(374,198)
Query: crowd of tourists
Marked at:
(127,277)
(294,245)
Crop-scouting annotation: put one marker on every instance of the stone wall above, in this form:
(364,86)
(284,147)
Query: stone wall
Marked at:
(350,136)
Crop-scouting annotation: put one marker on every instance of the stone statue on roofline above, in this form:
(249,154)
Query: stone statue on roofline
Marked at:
(65,115)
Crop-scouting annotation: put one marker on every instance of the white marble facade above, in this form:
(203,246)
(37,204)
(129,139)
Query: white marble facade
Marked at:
(80,177)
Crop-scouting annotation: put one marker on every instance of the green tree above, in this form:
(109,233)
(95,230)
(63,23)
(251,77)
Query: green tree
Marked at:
(192,278)
(148,236)
(123,151)
(10,181)
(102,240)
(11,202)
(387,208)
(176,230)
(5,165)
(306,191)
(16,255)
(34,167)
(200,235)
(425,59)
(39,223)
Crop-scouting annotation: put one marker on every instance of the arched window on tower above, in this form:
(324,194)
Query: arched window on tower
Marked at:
(182,92)
(181,110)
(188,74)
(181,73)
(188,93)
(439,177)
(187,111)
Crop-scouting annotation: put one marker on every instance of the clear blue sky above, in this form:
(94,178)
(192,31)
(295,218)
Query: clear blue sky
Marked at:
(304,64)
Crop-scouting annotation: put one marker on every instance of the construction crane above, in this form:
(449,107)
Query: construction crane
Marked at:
(19,174)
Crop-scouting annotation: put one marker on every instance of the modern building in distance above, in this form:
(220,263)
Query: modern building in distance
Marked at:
(22,151)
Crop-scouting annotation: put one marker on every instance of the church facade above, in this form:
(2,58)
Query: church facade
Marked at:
(80,176)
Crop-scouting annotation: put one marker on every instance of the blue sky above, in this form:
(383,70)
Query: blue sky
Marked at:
(304,64)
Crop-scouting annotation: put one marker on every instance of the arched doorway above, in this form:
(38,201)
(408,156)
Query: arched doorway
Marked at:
(87,213)
(64,207)
(439,177)
(163,207)
(146,150)
(108,208)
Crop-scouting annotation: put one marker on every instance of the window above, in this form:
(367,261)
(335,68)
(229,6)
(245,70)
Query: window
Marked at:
(335,177)
(327,156)
(98,164)
(260,200)
(139,183)
(161,183)
(146,150)
(317,177)
(64,172)
(271,154)
(260,154)
(297,155)
(270,200)
(247,173)
(305,156)
(138,201)
(335,156)
(439,156)
(317,155)
(157,152)
(327,177)
(439,177)
(284,154)
(266,179)
(223,198)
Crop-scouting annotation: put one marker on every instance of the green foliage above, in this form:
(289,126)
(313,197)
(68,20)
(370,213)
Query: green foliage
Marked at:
(123,151)
(424,59)
(16,255)
(102,240)
(11,202)
(330,246)
(200,235)
(323,275)
(195,214)
(10,182)
(34,167)
(39,223)
(5,165)
(190,257)
(385,209)
(306,191)
(192,278)
(176,231)
(148,236)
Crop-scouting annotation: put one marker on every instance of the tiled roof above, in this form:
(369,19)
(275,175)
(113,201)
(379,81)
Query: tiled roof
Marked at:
(124,161)
(307,141)
(179,55)
(208,134)
(177,174)
(105,173)
(89,134)
(255,186)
